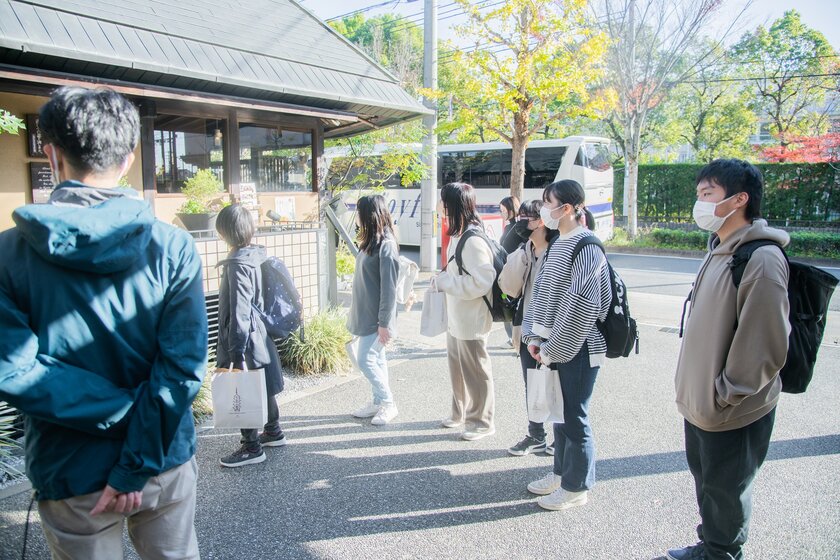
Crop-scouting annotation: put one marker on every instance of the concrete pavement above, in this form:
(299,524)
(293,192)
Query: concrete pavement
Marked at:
(343,489)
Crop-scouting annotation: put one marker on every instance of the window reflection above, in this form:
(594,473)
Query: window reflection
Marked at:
(275,160)
(183,146)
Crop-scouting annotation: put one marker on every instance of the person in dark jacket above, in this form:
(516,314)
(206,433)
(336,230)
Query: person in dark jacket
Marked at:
(104,343)
(512,237)
(243,340)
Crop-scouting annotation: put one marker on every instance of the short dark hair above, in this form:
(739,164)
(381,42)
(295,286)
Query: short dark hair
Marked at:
(736,176)
(459,205)
(511,204)
(95,128)
(375,220)
(236,225)
(566,191)
(531,209)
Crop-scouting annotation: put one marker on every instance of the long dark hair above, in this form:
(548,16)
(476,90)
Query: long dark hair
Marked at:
(375,222)
(566,191)
(459,205)
(531,209)
(511,204)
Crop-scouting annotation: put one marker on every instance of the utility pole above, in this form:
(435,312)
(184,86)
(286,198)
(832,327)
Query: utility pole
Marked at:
(631,16)
(428,187)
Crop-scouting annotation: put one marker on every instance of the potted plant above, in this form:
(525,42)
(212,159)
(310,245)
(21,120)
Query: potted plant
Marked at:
(203,192)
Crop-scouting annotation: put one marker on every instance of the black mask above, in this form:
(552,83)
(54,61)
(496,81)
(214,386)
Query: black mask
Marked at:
(520,229)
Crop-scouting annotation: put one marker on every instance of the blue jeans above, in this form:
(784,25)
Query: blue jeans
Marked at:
(574,445)
(374,366)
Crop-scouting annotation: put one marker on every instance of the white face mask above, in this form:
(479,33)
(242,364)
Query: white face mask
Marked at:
(704,215)
(548,221)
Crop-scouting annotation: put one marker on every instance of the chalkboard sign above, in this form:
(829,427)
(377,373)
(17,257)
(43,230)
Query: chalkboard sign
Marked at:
(42,183)
(36,142)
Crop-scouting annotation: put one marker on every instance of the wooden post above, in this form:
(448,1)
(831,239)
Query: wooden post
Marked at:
(148,112)
(231,151)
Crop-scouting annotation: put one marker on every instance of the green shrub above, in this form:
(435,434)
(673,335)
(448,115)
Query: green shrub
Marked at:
(201,189)
(678,239)
(814,244)
(345,263)
(322,348)
(8,445)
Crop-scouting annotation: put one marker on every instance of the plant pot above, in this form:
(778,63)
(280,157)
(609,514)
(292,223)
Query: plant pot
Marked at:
(198,222)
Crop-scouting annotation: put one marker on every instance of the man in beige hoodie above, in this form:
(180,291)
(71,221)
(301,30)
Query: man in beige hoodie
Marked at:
(735,343)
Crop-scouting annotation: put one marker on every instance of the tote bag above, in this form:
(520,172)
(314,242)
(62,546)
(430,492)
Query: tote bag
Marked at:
(545,396)
(239,398)
(352,349)
(433,319)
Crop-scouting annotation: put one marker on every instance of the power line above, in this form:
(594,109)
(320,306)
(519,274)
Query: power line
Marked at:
(756,78)
(363,10)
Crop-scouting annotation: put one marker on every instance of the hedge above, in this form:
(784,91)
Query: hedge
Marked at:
(802,243)
(793,192)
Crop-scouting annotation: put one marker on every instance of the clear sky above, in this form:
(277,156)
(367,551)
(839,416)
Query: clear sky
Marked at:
(823,15)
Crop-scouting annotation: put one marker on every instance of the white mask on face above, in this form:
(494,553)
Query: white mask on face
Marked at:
(548,221)
(704,215)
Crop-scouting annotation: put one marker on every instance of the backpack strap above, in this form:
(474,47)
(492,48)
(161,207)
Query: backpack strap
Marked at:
(583,242)
(459,249)
(742,255)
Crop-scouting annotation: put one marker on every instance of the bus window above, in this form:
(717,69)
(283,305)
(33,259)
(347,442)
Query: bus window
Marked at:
(479,169)
(541,165)
(594,156)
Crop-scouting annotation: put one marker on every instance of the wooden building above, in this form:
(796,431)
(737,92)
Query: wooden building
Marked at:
(248,89)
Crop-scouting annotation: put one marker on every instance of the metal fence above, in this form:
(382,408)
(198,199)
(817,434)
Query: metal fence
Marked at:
(301,246)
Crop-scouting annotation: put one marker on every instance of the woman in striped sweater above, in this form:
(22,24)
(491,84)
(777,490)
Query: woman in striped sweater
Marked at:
(571,294)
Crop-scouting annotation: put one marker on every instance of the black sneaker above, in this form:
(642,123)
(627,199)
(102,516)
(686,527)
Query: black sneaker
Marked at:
(243,457)
(693,552)
(272,440)
(527,445)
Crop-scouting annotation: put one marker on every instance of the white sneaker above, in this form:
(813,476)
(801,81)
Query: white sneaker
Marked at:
(563,499)
(370,409)
(545,486)
(478,433)
(450,423)
(386,413)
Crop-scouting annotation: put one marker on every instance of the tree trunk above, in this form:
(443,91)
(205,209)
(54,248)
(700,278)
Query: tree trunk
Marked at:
(517,166)
(631,182)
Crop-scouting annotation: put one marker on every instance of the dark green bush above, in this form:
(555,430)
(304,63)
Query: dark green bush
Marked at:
(793,191)
(678,239)
(813,244)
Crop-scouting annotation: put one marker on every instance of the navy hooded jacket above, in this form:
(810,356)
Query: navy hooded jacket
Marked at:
(104,340)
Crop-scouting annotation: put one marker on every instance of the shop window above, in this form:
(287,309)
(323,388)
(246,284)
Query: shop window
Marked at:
(275,160)
(183,146)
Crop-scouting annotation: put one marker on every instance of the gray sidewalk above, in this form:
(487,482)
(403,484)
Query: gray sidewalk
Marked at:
(343,489)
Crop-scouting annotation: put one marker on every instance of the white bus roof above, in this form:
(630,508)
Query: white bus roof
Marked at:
(532,144)
(379,149)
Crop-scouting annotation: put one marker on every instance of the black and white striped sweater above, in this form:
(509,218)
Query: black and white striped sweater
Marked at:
(568,299)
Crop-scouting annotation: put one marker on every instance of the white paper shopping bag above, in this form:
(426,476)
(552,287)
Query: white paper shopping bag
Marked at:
(433,319)
(352,349)
(545,396)
(239,399)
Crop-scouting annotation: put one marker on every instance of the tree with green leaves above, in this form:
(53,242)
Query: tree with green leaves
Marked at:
(530,66)
(9,123)
(792,66)
(646,60)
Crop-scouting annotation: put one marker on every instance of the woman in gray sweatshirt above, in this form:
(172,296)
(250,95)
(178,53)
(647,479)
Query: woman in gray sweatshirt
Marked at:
(374,306)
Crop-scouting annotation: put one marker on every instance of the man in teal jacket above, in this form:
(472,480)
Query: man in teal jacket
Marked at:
(104,343)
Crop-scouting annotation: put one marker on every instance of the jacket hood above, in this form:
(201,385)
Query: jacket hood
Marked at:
(757,230)
(83,228)
(252,255)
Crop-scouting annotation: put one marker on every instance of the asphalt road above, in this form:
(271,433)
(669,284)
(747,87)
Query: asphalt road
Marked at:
(343,489)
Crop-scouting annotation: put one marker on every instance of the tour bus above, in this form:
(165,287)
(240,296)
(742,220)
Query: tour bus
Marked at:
(586,159)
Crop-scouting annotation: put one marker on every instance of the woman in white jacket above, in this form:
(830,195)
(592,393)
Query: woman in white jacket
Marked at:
(517,279)
(468,288)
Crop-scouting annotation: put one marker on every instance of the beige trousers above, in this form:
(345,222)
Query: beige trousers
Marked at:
(162,529)
(472,382)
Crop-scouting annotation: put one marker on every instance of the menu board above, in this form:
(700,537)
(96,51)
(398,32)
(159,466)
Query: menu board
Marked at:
(248,199)
(33,133)
(42,183)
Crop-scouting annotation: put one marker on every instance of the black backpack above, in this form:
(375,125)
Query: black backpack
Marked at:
(502,308)
(809,293)
(618,328)
(282,310)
